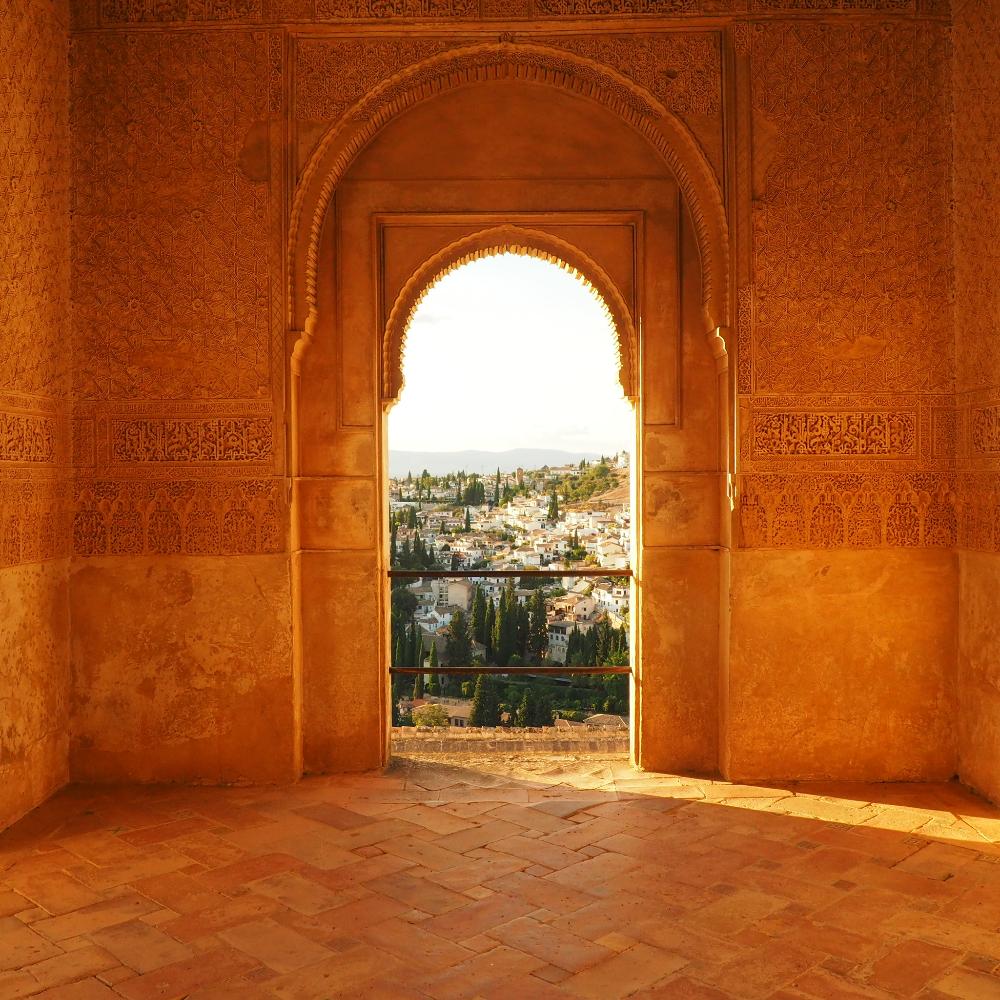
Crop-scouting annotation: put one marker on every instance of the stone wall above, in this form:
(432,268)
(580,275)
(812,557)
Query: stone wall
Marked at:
(844,574)
(179,527)
(977,417)
(34,408)
(867,490)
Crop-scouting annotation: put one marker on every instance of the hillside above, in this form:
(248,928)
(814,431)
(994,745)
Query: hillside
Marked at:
(438,463)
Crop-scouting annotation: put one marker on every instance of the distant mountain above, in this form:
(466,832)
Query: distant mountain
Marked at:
(437,463)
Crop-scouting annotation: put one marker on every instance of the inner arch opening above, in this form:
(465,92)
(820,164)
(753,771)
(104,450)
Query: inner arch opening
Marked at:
(510,453)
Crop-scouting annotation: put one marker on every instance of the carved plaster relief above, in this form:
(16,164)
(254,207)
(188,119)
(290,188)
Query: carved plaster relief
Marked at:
(848,511)
(179,516)
(174,275)
(34,258)
(851,280)
(33,520)
(90,13)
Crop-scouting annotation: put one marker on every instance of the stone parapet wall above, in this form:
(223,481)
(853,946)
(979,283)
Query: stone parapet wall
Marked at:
(427,739)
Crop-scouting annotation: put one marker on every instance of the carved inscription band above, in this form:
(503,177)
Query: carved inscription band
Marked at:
(234,439)
(25,437)
(986,430)
(862,434)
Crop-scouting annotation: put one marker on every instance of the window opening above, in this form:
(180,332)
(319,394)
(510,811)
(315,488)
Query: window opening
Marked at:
(509,505)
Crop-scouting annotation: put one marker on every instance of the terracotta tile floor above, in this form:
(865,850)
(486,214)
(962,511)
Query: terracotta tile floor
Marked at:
(514,877)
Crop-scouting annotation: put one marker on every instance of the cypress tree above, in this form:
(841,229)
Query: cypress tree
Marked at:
(418,686)
(553,512)
(538,632)
(489,628)
(485,703)
(543,712)
(458,650)
(416,646)
(477,624)
(523,622)
(496,489)
(525,713)
(468,520)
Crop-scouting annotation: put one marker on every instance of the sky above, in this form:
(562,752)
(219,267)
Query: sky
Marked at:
(509,352)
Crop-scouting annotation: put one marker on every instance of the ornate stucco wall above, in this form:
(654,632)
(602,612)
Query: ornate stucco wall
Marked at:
(179,527)
(977,420)
(844,576)
(865,447)
(34,403)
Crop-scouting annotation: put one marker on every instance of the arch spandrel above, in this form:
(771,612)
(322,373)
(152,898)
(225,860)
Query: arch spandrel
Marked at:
(424,80)
(490,242)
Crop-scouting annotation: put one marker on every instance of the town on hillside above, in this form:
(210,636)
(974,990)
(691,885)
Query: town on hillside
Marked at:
(531,629)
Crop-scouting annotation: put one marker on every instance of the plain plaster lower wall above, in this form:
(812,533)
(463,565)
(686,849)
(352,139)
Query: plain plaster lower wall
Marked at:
(34,685)
(182,669)
(842,665)
(979,672)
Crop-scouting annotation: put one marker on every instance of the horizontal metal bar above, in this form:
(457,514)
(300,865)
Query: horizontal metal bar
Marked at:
(533,671)
(477,574)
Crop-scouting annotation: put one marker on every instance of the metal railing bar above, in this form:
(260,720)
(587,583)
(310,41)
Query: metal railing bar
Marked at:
(510,671)
(465,574)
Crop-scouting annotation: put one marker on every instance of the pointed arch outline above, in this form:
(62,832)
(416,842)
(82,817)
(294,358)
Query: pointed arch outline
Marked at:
(495,240)
(356,128)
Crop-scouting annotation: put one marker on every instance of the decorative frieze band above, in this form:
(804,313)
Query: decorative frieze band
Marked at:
(28,437)
(89,13)
(34,525)
(985,430)
(979,527)
(243,517)
(848,511)
(861,434)
(225,439)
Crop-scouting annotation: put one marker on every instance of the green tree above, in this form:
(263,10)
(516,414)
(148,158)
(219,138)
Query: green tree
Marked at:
(430,715)
(505,627)
(526,710)
(485,703)
(458,647)
(488,629)
(468,521)
(553,512)
(538,631)
(543,715)
(418,687)
(477,623)
(496,489)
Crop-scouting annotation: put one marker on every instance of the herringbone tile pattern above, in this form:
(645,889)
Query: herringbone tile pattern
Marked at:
(512,877)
